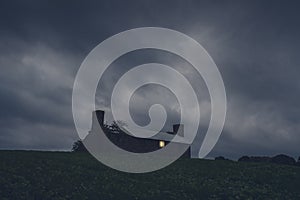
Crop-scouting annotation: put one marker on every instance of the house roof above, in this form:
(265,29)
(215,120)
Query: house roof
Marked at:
(156,135)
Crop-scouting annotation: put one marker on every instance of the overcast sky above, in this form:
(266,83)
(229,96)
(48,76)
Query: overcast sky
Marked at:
(255,45)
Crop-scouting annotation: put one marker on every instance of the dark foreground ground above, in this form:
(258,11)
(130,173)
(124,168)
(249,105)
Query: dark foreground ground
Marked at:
(53,175)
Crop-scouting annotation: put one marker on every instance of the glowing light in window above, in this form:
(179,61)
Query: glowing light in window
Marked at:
(161,144)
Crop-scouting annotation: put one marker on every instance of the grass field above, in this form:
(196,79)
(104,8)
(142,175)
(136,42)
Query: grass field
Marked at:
(57,175)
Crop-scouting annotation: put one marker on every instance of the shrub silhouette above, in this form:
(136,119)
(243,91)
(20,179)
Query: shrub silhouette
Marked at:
(254,159)
(298,162)
(244,159)
(283,159)
(220,158)
(278,159)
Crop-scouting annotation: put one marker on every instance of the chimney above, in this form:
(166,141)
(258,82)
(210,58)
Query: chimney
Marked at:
(178,129)
(98,117)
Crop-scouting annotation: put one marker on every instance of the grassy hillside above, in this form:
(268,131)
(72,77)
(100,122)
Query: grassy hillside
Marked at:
(53,175)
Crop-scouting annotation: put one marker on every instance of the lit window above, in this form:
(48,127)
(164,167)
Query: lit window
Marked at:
(161,144)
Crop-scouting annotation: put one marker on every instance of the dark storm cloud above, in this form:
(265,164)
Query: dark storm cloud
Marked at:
(255,45)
